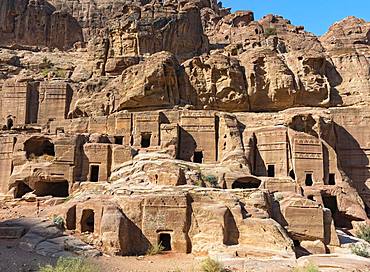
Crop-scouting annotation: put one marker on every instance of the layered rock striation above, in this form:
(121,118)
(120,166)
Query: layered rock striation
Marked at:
(181,123)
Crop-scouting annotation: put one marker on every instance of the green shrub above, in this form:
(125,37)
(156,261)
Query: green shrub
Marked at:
(46,63)
(270,31)
(155,249)
(58,221)
(307,268)
(45,72)
(364,232)
(360,250)
(212,180)
(60,73)
(210,265)
(199,183)
(69,265)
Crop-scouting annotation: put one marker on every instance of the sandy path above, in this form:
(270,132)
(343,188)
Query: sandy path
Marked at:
(159,263)
(15,259)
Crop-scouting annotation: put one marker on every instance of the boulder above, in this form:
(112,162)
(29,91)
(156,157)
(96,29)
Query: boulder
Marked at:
(215,82)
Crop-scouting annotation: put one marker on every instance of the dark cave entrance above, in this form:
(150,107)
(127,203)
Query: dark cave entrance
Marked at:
(330,202)
(309,179)
(9,123)
(22,189)
(331,179)
(118,140)
(165,241)
(71,218)
(87,221)
(271,170)
(145,140)
(198,157)
(38,146)
(55,189)
(247,184)
(94,173)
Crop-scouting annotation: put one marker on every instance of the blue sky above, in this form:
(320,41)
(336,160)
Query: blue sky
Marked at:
(315,15)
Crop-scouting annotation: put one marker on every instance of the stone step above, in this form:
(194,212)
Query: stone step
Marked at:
(12,232)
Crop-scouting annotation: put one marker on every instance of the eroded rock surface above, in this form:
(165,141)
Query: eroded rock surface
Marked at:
(181,123)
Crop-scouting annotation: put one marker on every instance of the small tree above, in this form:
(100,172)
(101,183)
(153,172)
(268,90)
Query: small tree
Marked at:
(270,31)
(364,232)
(307,268)
(360,250)
(58,221)
(155,249)
(210,265)
(212,180)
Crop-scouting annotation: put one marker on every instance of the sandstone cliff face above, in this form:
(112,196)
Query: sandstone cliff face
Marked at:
(151,29)
(37,23)
(120,29)
(271,84)
(93,15)
(277,81)
(348,45)
(180,119)
(148,85)
(152,83)
(272,64)
(215,82)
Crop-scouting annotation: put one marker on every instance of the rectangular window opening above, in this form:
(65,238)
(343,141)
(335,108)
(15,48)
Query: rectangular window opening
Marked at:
(88,221)
(271,170)
(198,157)
(118,140)
(165,241)
(309,179)
(145,140)
(94,173)
(331,179)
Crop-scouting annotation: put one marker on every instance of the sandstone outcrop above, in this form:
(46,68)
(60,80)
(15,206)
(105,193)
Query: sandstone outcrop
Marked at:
(148,85)
(347,44)
(216,82)
(181,123)
(37,23)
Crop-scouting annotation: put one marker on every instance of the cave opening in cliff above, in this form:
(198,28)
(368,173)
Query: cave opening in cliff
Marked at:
(165,241)
(309,179)
(9,123)
(310,197)
(145,140)
(22,189)
(271,170)
(231,231)
(331,179)
(38,146)
(198,157)
(55,189)
(292,174)
(87,220)
(118,140)
(94,173)
(330,202)
(246,183)
(71,218)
